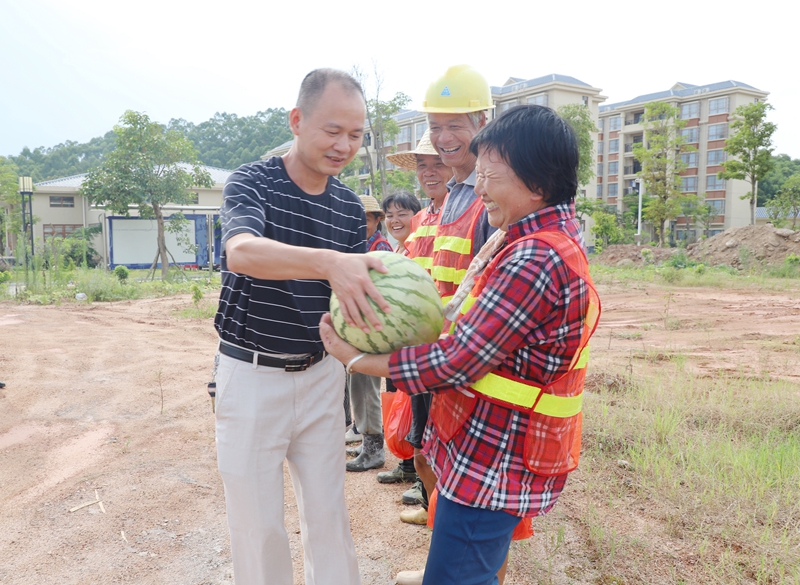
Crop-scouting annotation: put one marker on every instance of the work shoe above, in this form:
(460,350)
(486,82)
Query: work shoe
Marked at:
(409,577)
(352,436)
(353,451)
(397,475)
(372,455)
(418,516)
(413,495)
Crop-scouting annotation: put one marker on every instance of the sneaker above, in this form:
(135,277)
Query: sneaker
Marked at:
(418,516)
(396,475)
(352,436)
(413,496)
(409,577)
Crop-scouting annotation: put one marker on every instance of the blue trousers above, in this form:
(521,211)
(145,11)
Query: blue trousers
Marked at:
(468,545)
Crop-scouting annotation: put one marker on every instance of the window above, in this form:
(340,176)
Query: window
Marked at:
(613,168)
(600,147)
(717,204)
(691,134)
(367,139)
(689,159)
(691,110)
(716,157)
(689,184)
(62,202)
(718,106)
(600,190)
(599,169)
(404,135)
(717,131)
(714,184)
(538,100)
(600,124)
(585,100)
(420,129)
(615,123)
(56,230)
(613,189)
(613,145)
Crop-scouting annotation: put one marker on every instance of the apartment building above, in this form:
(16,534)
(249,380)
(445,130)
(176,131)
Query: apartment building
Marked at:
(707,111)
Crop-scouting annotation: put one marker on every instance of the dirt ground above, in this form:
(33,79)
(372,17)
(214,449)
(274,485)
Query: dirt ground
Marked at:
(108,402)
(735,247)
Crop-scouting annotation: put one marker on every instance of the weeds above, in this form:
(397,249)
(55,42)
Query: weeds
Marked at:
(717,459)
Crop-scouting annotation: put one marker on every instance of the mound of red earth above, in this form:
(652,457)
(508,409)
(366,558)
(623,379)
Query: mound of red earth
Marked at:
(736,247)
(740,246)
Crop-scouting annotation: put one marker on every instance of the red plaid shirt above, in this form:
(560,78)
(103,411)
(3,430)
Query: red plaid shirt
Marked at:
(521,325)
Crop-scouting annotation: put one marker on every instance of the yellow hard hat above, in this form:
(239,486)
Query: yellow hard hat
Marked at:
(459,91)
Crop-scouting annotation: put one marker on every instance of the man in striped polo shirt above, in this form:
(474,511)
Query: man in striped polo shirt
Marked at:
(291,233)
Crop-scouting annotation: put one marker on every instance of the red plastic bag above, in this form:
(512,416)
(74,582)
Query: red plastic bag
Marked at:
(396,407)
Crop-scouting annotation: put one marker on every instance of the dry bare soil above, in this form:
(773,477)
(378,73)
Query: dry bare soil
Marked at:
(108,402)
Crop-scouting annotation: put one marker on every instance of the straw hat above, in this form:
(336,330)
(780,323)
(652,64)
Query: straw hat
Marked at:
(408,159)
(371,205)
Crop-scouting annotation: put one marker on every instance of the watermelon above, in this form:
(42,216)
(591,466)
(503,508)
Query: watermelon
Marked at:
(416,316)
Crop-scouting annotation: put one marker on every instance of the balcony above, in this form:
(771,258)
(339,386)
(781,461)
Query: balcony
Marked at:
(635,119)
(633,169)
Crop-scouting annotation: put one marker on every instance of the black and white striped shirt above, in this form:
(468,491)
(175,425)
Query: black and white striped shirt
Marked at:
(282,316)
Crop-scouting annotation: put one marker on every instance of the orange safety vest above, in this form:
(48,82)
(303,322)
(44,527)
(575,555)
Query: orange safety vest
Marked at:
(452,250)
(553,437)
(423,233)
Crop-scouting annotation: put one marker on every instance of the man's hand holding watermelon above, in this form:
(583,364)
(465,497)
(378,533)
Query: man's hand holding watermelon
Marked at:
(348,274)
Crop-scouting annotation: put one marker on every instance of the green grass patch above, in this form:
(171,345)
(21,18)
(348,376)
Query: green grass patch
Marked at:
(717,460)
(45,286)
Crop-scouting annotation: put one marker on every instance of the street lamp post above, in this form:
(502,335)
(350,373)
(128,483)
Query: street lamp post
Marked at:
(639,214)
(26,188)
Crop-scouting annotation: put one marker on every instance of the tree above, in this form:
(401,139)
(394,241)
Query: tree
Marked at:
(705,214)
(605,228)
(382,128)
(10,219)
(786,204)
(751,144)
(783,167)
(659,155)
(579,117)
(150,167)
(690,205)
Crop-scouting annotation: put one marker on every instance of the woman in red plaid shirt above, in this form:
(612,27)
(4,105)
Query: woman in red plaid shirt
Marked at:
(507,383)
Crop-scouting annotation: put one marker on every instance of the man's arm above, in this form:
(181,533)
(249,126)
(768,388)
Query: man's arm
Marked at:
(348,274)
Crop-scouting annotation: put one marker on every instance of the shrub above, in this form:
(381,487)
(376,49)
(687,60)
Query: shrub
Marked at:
(122,273)
(647,256)
(5,276)
(671,274)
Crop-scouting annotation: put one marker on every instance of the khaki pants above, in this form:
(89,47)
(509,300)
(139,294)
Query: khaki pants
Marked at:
(265,416)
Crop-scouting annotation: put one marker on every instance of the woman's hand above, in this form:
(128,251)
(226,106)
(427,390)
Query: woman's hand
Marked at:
(335,345)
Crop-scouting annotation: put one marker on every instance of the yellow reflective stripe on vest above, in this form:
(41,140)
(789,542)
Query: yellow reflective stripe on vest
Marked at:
(524,395)
(447,299)
(467,304)
(424,231)
(425,261)
(453,244)
(559,406)
(448,274)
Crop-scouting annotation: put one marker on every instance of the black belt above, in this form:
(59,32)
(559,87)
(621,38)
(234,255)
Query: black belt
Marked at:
(292,365)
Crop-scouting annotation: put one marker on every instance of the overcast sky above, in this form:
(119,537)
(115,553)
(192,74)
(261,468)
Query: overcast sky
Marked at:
(72,67)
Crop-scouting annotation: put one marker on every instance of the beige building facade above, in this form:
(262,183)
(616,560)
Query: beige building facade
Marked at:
(59,210)
(707,111)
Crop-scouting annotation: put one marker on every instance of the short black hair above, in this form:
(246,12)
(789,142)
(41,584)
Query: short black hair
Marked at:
(314,85)
(403,200)
(539,146)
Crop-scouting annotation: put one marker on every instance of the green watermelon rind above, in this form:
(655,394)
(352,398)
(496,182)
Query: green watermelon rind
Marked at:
(410,322)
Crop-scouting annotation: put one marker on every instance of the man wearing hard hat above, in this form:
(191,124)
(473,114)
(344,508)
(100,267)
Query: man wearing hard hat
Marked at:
(457,105)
